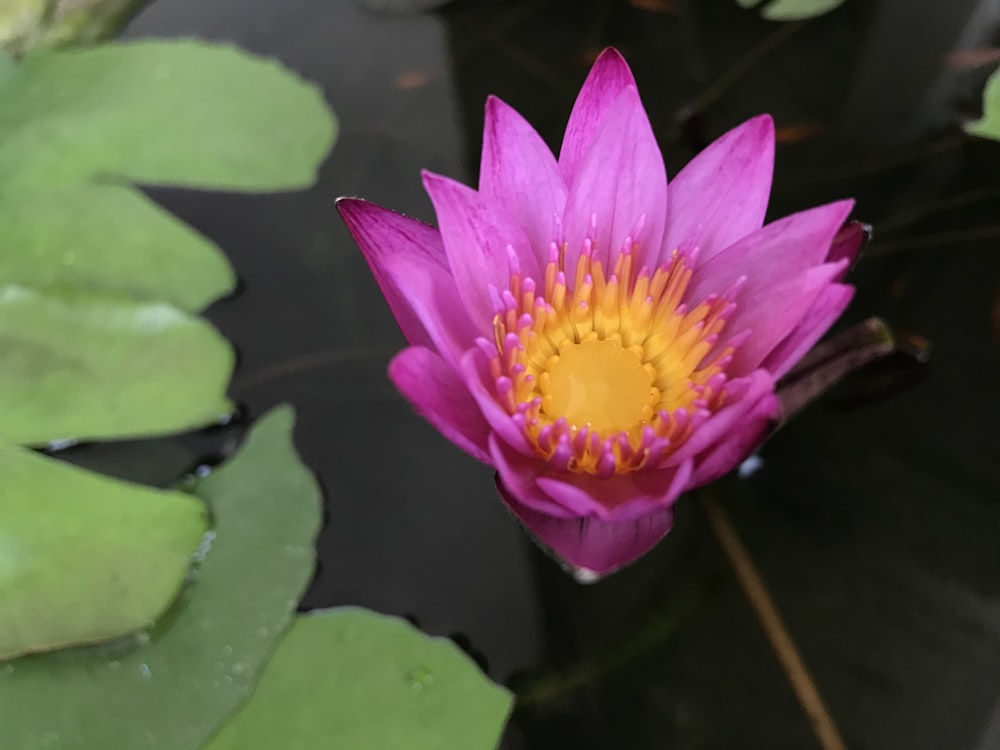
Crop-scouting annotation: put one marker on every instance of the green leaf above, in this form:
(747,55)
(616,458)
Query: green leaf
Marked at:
(989,125)
(82,366)
(107,238)
(161,112)
(354,680)
(199,663)
(85,558)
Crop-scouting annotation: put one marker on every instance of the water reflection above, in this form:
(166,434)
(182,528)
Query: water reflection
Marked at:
(874,529)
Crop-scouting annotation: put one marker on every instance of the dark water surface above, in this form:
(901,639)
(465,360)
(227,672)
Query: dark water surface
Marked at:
(875,518)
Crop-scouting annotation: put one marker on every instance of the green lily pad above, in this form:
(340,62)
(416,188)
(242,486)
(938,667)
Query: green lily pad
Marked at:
(174,688)
(792,10)
(354,680)
(988,126)
(160,112)
(107,238)
(81,366)
(83,557)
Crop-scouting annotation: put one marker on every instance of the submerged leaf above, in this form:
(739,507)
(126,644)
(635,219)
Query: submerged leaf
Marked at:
(354,680)
(83,557)
(798,10)
(988,126)
(161,112)
(792,10)
(82,366)
(107,238)
(200,662)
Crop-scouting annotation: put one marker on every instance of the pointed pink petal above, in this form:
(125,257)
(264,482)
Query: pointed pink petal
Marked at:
(722,194)
(608,77)
(621,184)
(383,234)
(434,302)
(439,396)
(479,239)
(590,546)
(742,395)
(828,306)
(781,250)
(771,314)
(754,426)
(519,173)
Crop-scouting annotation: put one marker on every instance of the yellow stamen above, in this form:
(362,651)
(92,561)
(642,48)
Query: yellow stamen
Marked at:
(611,373)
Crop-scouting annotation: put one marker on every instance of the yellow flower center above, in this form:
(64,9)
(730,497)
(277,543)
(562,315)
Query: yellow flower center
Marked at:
(612,372)
(598,383)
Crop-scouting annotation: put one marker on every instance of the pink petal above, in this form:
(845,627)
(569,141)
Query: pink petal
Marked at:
(722,194)
(519,472)
(569,495)
(519,173)
(755,425)
(479,239)
(742,395)
(434,302)
(609,76)
(439,396)
(621,184)
(771,314)
(825,310)
(383,234)
(781,250)
(622,497)
(590,546)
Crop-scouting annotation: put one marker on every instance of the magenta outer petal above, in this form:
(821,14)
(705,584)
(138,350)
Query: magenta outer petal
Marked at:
(590,546)
(478,239)
(772,314)
(432,298)
(519,173)
(440,397)
(722,194)
(754,427)
(621,182)
(781,250)
(383,234)
(830,303)
(609,76)
(743,395)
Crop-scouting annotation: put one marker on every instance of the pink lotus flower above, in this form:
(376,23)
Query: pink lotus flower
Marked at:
(605,340)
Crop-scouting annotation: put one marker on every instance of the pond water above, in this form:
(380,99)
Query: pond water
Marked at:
(873,518)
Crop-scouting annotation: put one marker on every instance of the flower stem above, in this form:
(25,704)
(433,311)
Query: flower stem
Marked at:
(774,627)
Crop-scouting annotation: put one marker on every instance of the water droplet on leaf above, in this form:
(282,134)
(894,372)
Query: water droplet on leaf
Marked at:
(419,678)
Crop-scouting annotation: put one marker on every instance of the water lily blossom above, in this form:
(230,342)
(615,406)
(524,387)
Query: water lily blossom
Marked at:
(603,339)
